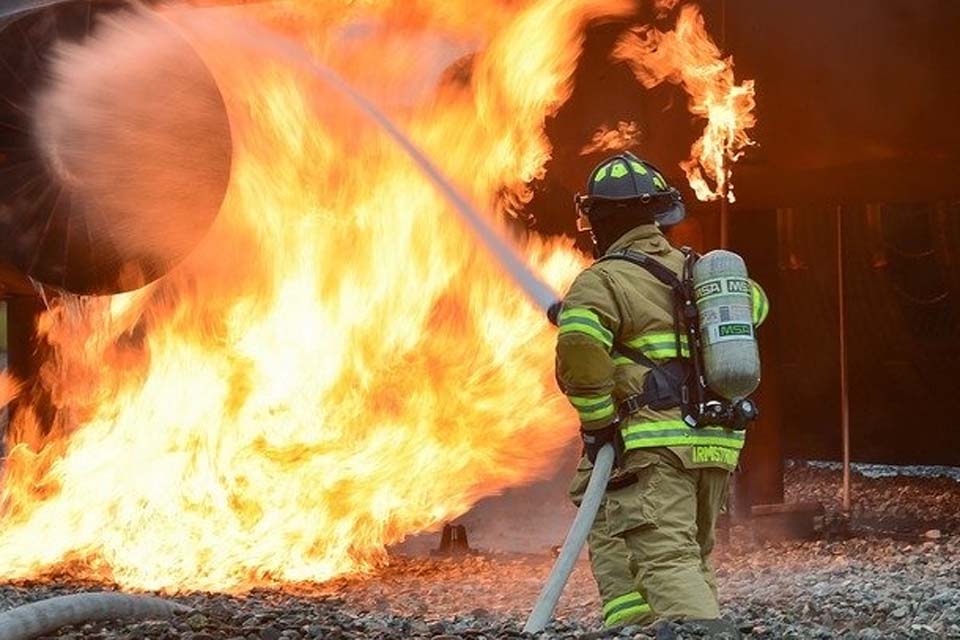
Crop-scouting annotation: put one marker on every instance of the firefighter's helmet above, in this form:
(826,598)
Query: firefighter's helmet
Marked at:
(626,184)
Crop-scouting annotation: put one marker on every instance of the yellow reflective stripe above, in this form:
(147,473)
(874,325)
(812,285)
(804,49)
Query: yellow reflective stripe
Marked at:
(665,352)
(660,337)
(631,597)
(599,414)
(587,331)
(628,611)
(660,345)
(621,360)
(590,402)
(674,433)
(593,408)
(578,312)
(664,425)
(761,304)
(585,321)
(626,606)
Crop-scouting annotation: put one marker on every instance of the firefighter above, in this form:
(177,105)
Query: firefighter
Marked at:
(613,568)
(650,545)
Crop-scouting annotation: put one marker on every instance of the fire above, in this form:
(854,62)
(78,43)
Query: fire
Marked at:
(687,56)
(9,388)
(339,364)
(625,136)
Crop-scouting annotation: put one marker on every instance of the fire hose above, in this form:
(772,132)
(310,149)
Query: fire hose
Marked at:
(44,617)
(573,544)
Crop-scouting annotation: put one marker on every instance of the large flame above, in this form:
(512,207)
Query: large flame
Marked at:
(688,56)
(339,364)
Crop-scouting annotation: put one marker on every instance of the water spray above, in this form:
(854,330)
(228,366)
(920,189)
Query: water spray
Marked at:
(255,36)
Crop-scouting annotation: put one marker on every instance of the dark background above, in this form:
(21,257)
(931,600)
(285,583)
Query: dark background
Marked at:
(857,105)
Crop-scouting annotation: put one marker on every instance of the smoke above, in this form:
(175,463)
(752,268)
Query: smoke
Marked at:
(134,126)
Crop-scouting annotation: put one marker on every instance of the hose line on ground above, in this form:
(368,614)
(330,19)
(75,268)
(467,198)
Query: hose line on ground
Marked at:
(576,537)
(46,616)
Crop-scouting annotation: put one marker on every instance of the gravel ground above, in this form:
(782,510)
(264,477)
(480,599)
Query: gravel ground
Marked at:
(868,581)
(927,498)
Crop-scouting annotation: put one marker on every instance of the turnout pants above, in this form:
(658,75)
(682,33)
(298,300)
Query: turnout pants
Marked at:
(666,521)
(612,566)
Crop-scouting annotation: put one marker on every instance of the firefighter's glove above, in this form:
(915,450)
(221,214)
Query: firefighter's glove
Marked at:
(553,312)
(594,439)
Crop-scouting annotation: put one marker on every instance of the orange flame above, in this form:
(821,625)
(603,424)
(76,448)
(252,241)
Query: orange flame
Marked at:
(687,56)
(9,388)
(625,136)
(338,365)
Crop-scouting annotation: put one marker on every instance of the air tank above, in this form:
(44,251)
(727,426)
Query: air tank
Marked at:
(723,294)
(115,148)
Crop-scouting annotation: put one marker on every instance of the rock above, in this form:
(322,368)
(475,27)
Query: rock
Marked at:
(270,633)
(419,627)
(197,621)
(932,534)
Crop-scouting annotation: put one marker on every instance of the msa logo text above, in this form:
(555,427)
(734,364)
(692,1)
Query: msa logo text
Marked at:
(708,289)
(728,330)
(738,286)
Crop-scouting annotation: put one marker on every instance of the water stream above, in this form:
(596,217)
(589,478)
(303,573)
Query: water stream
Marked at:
(262,39)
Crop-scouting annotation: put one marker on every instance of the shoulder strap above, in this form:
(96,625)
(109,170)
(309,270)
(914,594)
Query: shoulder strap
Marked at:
(657,269)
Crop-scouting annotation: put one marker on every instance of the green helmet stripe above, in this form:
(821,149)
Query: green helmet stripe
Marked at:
(619,170)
